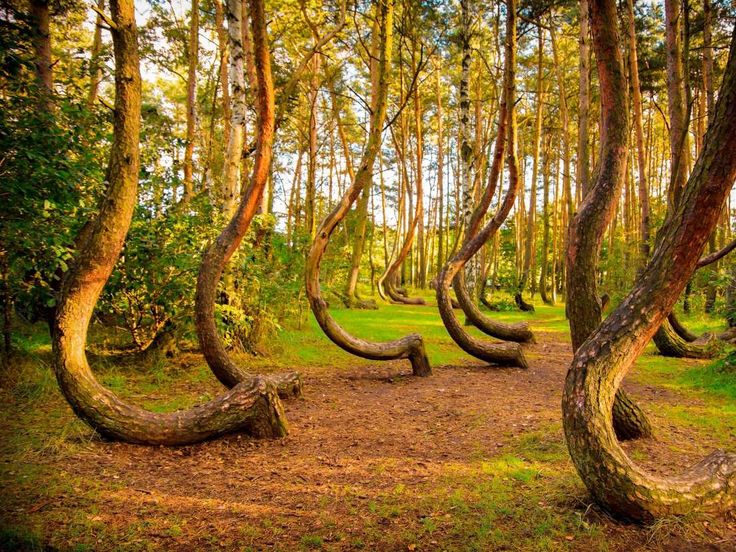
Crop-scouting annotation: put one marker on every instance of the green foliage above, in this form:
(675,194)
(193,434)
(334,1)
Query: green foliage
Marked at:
(154,280)
(51,177)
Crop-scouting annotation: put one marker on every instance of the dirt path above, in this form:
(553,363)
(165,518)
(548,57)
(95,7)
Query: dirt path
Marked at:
(366,467)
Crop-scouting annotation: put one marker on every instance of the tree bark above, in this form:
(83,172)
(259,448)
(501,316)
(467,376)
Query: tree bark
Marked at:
(679,149)
(615,482)
(503,354)
(529,250)
(218,253)
(231,179)
(640,145)
(440,175)
(191,103)
(222,42)
(410,347)
(95,71)
(544,270)
(583,158)
(253,407)
(518,332)
(588,226)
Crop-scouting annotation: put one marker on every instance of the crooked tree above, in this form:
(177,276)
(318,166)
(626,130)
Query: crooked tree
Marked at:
(410,347)
(504,354)
(252,406)
(601,362)
(589,224)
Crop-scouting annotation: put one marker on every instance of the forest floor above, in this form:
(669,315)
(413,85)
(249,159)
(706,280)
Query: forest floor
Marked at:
(471,458)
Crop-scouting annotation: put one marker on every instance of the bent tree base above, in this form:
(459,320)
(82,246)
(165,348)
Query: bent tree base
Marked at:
(252,407)
(222,249)
(600,364)
(518,332)
(410,347)
(670,344)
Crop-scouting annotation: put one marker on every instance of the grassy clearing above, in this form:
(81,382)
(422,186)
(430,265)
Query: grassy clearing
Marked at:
(526,497)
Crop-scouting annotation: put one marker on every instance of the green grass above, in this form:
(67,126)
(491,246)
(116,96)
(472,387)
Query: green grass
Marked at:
(310,346)
(528,498)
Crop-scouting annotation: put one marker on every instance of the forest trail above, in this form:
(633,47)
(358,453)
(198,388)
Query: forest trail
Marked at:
(471,458)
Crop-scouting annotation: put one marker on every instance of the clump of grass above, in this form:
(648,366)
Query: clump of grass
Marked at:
(718,377)
(312,541)
(19,539)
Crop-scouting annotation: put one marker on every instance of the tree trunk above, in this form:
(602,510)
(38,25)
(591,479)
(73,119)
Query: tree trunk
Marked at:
(352,300)
(253,407)
(679,149)
(671,344)
(503,354)
(529,251)
(222,42)
(231,179)
(41,39)
(640,146)
(583,158)
(410,347)
(600,364)
(220,251)
(440,176)
(588,226)
(544,272)
(191,103)
(95,71)
(386,281)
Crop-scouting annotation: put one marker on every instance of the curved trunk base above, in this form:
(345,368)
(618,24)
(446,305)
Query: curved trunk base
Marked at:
(629,421)
(518,332)
(499,354)
(523,305)
(670,344)
(680,329)
(400,298)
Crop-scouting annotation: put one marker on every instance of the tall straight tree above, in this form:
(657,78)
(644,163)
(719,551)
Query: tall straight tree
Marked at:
(193,59)
(639,130)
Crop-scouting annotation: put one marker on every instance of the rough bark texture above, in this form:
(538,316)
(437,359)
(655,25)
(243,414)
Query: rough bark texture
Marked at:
(95,69)
(41,40)
(504,354)
(671,344)
(677,107)
(253,407)
(603,360)
(410,347)
(231,179)
(584,309)
(221,250)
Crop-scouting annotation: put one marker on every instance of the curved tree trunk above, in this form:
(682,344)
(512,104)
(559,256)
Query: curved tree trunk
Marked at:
(504,354)
(221,250)
(518,332)
(670,343)
(680,329)
(391,273)
(583,304)
(253,407)
(410,347)
(599,365)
